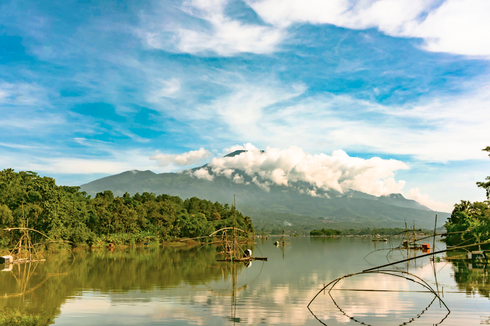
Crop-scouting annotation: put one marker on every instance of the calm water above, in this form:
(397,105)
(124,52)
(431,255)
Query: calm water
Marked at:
(186,286)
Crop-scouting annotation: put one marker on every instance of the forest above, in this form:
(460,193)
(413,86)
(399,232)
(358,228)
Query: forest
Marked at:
(66,214)
(470,222)
(326,232)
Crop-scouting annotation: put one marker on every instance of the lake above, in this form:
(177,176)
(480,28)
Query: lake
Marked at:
(187,286)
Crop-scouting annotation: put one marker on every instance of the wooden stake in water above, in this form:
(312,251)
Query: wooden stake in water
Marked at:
(434,241)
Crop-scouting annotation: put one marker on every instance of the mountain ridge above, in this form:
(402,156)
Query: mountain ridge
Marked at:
(350,208)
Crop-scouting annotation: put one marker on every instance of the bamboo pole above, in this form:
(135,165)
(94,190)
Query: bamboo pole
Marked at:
(430,254)
(434,241)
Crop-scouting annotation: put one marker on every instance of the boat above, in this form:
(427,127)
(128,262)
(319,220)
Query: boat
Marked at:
(378,237)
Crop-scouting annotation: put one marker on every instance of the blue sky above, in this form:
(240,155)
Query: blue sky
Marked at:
(94,88)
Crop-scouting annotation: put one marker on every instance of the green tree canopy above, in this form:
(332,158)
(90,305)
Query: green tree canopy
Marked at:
(65,213)
(470,222)
(485,185)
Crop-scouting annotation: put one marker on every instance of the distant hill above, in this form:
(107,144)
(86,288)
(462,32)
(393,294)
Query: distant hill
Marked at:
(281,206)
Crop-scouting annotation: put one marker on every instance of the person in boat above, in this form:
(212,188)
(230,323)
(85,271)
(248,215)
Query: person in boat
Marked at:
(247,253)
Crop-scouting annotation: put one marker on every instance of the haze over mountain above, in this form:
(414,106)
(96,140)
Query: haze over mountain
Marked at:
(295,204)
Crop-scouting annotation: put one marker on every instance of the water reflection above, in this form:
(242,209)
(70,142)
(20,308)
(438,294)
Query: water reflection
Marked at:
(368,292)
(472,277)
(187,286)
(47,285)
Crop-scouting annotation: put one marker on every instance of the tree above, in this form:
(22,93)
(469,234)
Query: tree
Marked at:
(485,185)
(65,213)
(6,217)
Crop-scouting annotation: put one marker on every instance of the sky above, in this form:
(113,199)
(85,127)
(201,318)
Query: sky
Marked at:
(377,96)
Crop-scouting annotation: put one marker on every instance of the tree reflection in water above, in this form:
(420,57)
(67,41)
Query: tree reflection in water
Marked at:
(472,277)
(46,286)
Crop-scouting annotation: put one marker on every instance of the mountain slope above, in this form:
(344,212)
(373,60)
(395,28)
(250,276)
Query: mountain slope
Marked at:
(351,209)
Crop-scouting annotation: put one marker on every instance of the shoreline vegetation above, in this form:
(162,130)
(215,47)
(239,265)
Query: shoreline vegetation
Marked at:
(69,217)
(366,232)
(469,222)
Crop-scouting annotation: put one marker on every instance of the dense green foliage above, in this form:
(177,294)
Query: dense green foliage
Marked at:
(470,222)
(280,207)
(65,213)
(325,232)
(485,185)
(471,217)
(11,317)
(374,231)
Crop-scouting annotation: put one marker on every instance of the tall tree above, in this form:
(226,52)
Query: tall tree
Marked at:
(485,185)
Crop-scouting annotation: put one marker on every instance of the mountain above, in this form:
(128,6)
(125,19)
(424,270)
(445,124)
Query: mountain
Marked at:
(400,201)
(279,206)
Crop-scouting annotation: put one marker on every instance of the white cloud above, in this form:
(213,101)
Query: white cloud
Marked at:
(22,94)
(220,34)
(337,171)
(201,174)
(229,37)
(33,104)
(238,179)
(246,106)
(69,165)
(164,88)
(112,162)
(425,200)
(450,127)
(247,147)
(34,122)
(388,15)
(22,146)
(183,159)
(455,26)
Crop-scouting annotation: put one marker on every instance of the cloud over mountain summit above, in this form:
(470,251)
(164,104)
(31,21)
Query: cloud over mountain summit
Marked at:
(287,167)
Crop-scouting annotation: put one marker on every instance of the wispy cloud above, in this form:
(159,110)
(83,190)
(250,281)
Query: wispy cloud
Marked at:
(164,88)
(183,159)
(175,76)
(424,199)
(23,146)
(35,121)
(244,107)
(34,102)
(116,162)
(22,94)
(210,31)
(440,130)
(454,26)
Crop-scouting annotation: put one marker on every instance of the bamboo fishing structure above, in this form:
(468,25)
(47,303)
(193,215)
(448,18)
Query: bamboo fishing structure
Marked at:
(25,251)
(401,274)
(408,244)
(282,241)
